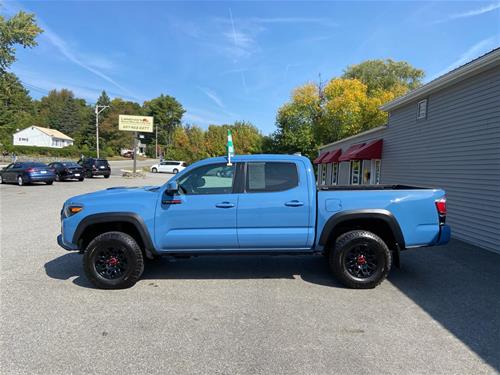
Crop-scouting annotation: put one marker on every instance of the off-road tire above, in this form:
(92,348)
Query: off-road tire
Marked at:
(133,254)
(348,241)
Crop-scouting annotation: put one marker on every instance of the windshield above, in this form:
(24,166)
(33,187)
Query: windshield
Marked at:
(100,162)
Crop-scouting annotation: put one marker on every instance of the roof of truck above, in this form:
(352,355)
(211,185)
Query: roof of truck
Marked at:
(256,157)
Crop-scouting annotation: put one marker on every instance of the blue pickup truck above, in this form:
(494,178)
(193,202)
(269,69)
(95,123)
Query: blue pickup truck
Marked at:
(260,204)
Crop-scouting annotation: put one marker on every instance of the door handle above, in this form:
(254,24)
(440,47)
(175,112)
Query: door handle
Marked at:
(294,203)
(224,205)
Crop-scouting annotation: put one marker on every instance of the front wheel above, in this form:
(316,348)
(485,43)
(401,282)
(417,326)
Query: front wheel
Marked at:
(1,179)
(113,260)
(360,259)
(20,181)
(49,182)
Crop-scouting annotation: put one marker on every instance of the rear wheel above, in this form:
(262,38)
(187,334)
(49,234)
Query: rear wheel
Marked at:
(81,179)
(175,171)
(154,170)
(20,180)
(49,182)
(1,179)
(58,178)
(113,260)
(360,259)
(106,176)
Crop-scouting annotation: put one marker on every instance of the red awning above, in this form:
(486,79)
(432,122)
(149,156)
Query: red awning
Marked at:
(319,159)
(371,150)
(346,156)
(333,157)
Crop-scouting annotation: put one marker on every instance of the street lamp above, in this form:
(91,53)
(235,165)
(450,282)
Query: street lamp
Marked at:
(98,109)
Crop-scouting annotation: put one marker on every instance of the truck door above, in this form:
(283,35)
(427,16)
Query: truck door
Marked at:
(274,210)
(203,215)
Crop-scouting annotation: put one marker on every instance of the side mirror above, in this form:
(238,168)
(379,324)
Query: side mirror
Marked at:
(172,187)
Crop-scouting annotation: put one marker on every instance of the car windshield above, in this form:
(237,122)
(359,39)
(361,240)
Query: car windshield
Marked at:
(100,162)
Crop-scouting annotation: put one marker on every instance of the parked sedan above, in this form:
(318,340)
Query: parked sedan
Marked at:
(27,172)
(168,166)
(67,170)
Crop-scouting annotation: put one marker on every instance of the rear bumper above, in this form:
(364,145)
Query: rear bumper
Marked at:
(444,235)
(41,178)
(66,246)
(101,173)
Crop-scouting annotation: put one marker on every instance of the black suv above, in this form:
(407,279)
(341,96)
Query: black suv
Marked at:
(95,167)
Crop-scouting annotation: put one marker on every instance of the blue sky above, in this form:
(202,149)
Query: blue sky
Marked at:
(227,61)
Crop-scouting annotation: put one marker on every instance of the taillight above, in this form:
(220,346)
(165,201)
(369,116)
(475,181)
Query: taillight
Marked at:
(29,170)
(441,206)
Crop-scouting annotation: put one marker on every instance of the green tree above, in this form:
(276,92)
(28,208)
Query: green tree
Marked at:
(167,113)
(60,110)
(109,135)
(19,29)
(386,75)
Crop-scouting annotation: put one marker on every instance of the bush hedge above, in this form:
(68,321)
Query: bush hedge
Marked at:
(66,152)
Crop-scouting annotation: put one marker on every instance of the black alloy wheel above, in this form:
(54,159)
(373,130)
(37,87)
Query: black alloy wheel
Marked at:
(113,260)
(360,259)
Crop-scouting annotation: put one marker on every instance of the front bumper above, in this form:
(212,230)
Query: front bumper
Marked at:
(66,246)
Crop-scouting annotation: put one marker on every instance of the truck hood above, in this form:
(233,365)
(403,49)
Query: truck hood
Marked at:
(117,193)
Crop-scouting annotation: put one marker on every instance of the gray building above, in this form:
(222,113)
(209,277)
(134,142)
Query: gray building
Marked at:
(444,134)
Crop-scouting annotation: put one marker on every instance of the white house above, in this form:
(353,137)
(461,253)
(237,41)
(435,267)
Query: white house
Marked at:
(41,137)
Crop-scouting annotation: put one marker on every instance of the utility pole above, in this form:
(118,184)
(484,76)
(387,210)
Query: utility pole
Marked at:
(97,111)
(156,141)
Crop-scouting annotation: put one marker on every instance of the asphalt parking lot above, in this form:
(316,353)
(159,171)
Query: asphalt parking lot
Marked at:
(439,314)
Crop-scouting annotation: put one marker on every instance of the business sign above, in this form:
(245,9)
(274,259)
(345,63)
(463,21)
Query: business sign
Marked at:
(143,124)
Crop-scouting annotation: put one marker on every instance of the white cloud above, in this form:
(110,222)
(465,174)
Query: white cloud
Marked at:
(212,95)
(472,13)
(473,52)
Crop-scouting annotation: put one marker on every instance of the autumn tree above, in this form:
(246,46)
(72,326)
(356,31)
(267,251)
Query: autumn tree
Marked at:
(386,75)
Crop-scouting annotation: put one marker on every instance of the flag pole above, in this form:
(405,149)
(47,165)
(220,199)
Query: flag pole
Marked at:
(229,147)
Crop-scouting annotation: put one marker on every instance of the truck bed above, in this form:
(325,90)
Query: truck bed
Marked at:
(370,187)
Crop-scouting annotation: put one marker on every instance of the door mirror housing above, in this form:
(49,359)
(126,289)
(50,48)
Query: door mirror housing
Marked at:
(172,187)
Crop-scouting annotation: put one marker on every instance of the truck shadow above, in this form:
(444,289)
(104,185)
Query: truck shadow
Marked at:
(458,285)
(313,269)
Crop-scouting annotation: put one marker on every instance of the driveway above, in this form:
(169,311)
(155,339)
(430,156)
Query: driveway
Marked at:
(439,313)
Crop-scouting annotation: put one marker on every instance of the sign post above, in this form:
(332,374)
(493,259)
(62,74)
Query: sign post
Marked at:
(143,124)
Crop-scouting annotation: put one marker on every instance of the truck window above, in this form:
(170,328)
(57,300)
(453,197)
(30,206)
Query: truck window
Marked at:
(271,176)
(208,179)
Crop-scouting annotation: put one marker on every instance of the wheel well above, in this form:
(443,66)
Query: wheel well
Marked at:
(377,226)
(93,230)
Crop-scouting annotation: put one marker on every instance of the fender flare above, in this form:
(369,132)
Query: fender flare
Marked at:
(113,217)
(378,214)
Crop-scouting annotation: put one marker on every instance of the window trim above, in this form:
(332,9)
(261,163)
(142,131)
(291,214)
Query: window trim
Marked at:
(375,171)
(334,172)
(351,172)
(419,103)
(245,175)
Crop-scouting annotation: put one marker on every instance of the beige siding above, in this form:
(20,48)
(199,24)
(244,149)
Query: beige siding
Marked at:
(456,148)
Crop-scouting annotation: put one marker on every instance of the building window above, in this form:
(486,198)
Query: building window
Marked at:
(334,174)
(422,109)
(367,172)
(322,179)
(378,164)
(355,171)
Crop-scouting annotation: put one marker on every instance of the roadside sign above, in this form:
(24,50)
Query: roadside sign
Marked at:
(130,123)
